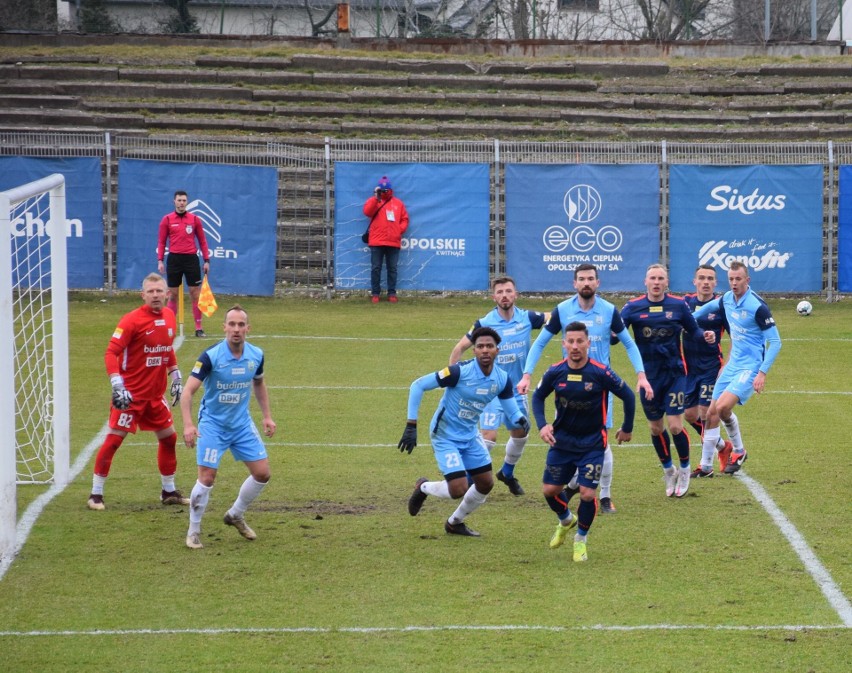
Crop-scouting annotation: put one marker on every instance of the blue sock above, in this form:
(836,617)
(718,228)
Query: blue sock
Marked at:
(508,470)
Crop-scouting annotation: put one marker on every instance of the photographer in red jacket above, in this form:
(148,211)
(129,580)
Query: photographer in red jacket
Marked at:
(388,222)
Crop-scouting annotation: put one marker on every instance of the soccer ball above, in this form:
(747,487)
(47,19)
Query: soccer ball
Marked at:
(804,308)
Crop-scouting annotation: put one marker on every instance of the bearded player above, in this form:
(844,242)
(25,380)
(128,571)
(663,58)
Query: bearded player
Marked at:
(139,359)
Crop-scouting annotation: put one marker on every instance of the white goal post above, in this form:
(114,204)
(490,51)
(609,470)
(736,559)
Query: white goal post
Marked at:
(34,393)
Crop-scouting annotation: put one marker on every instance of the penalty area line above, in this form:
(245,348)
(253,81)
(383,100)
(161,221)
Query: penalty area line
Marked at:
(813,565)
(422,629)
(36,507)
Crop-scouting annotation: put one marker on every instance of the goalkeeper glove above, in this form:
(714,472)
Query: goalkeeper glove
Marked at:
(177,387)
(121,397)
(523,424)
(409,438)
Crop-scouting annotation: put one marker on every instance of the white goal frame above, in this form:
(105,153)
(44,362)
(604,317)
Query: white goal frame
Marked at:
(55,185)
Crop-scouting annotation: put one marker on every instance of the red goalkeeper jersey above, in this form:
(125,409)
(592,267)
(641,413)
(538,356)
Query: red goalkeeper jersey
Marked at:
(180,231)
(141,351)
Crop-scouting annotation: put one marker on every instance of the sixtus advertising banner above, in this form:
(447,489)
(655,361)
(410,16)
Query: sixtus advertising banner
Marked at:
(446,244)
(84,225)
(558,217)
(844,231)
(239,208)
(768,217)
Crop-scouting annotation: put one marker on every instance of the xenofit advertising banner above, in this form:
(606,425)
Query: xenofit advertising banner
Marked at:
(558,217)
(446,244)
(84,226)
(844,231)
(239,208)
(768,217)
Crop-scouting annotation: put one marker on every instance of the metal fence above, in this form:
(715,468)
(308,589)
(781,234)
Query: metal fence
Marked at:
(305,232)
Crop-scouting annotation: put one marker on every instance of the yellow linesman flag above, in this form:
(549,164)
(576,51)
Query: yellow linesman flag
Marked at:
(206,301)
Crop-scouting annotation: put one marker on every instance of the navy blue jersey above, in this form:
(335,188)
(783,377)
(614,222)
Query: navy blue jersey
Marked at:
(657,326)
(582,399)
(701,357)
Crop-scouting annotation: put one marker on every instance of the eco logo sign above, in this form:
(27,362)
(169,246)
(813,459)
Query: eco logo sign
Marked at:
(580,242)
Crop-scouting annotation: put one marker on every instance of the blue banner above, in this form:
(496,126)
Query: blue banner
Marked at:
(239,208)
(844,231)
(84,225)
(768,217)
(558,217)
(446,244)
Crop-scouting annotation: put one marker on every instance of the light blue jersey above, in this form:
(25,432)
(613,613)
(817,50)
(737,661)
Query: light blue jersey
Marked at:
(601,319)
(227,384)
(515,337)
(515,340)
(755,340)
(467,391)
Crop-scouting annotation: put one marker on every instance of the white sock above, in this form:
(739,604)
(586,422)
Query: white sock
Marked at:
(168,482)
(606,473)
(471,501)
(572,485)
(197,504)
(708,447)
(515,449)
(98,484)
(248,492)
(489,444)
(720,443)
(440,489)
(732,426)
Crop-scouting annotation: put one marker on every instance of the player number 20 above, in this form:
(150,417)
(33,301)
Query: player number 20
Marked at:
(676,399)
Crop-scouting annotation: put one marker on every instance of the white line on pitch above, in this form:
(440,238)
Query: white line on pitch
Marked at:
(813,565)
(36,507)
(381,388)
(424,629)
(326,337)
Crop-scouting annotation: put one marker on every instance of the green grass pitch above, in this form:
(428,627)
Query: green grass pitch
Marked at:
(341,578)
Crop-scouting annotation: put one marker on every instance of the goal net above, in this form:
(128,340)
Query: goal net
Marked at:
(34,411)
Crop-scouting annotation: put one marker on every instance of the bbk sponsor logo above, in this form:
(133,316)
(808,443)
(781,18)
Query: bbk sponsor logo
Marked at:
(581,242)
(444,247)
(756,256)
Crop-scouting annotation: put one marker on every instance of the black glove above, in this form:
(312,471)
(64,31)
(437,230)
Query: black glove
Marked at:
(409,438)
(523,424)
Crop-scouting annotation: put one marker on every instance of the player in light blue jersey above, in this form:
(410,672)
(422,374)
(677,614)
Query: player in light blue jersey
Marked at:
(515,326)
(229,371)
(755,343)
(602,320)
(458,447)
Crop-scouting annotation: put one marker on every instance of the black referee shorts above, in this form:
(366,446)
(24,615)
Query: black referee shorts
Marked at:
(180,266)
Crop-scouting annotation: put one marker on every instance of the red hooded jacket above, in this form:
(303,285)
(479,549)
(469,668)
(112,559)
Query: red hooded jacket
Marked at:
(390,223)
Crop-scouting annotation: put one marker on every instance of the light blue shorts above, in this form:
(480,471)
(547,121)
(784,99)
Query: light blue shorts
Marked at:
(493,417)
(739,382)
(245,444)
(454,456)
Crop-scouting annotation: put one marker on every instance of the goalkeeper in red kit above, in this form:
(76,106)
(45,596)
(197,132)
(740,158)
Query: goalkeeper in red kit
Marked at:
(139,361)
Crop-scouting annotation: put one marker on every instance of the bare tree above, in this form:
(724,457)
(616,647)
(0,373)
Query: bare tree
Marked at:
(789,20)
(182,21)
(317,24)
(32,15)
